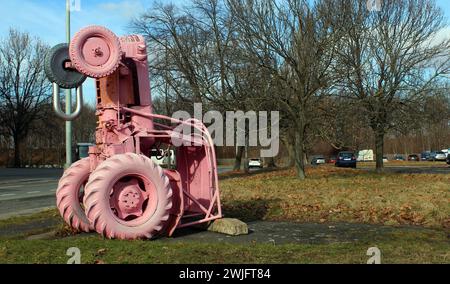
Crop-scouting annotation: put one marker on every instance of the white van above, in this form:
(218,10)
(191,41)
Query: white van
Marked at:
(365,155)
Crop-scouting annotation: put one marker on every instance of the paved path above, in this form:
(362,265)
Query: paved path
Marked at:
(268,232)
(289,232)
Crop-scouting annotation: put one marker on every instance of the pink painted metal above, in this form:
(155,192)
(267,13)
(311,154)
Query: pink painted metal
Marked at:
(126,195)
(69,195)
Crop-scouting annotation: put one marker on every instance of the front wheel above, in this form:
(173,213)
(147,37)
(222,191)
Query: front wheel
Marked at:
(69,195)
(128,197)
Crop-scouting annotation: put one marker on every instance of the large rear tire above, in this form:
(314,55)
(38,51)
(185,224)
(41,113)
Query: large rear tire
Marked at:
(128,197)
(69,195)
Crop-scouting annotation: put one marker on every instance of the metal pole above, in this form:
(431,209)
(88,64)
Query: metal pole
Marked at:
(68,98)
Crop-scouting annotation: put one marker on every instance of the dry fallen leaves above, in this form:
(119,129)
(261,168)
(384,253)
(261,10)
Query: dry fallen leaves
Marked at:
(334,194)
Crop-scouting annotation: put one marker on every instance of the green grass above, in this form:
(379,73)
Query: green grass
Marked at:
(21,227)
(413,247)
(36,217)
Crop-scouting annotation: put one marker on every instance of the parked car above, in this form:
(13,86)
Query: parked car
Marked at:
(255,163)
(432,156)
(448,159)
(413,157)
(440,156)
(317,160)
(398,157)
(332,160)
(424,156)
(346,159)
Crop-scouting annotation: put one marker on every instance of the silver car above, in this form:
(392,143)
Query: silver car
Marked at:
(317,160)
(255,163)
(440,156)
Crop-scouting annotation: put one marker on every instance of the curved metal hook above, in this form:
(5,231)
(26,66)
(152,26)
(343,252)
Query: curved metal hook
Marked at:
(57,106)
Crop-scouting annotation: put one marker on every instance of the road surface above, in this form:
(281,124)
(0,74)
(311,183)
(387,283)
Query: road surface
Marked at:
(27,190)
(24,191)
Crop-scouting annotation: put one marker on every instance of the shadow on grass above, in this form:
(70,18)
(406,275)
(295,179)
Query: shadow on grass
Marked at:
(29,228)
(250,210)
(246,211)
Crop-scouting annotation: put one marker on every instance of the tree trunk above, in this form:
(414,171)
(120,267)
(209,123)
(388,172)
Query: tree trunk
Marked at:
(246,169)
(16,151)
(379,150)
(238,158)
(30,156)
(299,154)
(289,144)
(271,162)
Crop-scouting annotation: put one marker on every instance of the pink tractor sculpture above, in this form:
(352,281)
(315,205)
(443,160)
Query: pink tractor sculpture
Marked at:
(119,191)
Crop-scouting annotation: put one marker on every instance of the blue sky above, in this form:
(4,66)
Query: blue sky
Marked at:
(46,19)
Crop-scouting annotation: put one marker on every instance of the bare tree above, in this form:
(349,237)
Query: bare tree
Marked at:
(342,125)
(23,86)
(308,59)
(298,36)
(198,58)
(389,58)
(178,48)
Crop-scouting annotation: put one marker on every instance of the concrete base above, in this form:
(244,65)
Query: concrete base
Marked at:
(229,226)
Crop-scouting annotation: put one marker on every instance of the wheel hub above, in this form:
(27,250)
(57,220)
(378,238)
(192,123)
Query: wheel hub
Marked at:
(96,51)
(128,199)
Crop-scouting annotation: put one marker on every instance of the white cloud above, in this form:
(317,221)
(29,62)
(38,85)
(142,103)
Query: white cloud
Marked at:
(441,36)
